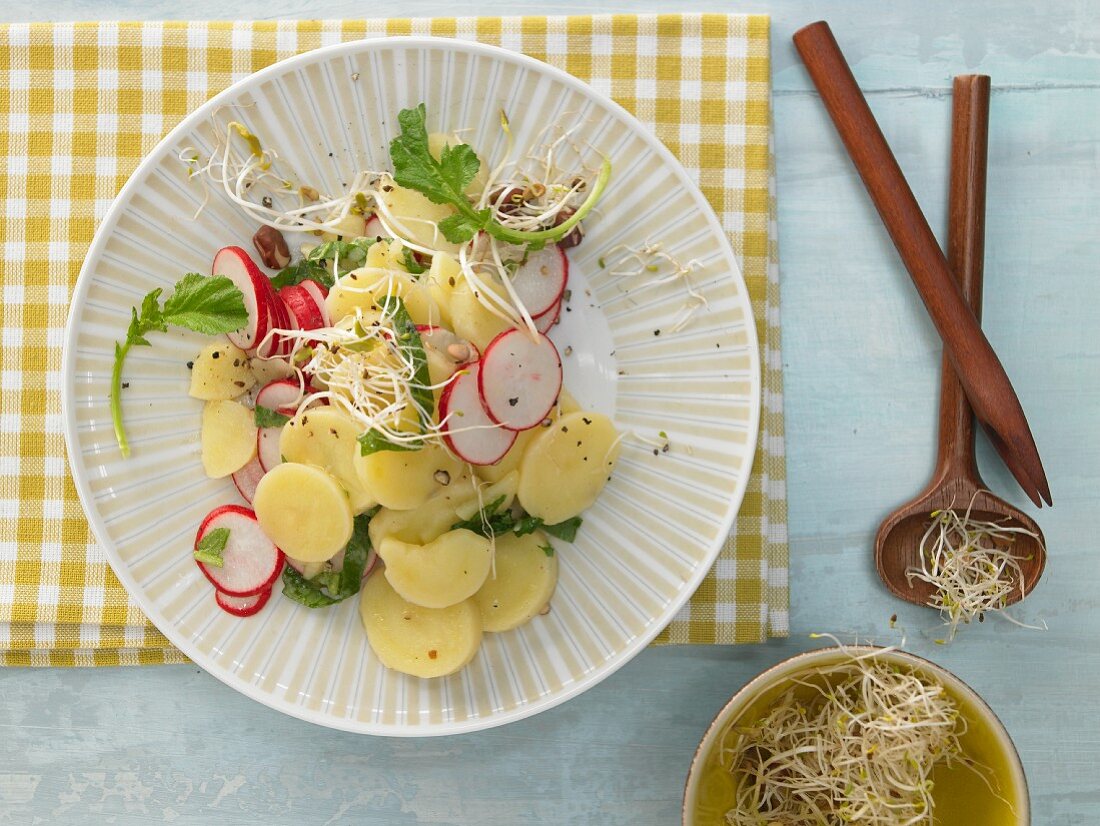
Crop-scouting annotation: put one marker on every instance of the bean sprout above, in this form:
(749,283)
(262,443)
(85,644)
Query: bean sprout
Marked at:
(854,742)
(971,565)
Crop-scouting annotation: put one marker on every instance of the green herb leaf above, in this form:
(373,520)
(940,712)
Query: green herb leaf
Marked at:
(526,525)
(330,587)
(565,531)
(487,521)
(303,591)
(205,304)
(547,549)
(412,265)
(266,417)
(459,228)
(408,340)
(304,270)
(211,546)
(373,441)
(444,181)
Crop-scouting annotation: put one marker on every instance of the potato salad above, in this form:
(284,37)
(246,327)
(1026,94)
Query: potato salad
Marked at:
(386,398)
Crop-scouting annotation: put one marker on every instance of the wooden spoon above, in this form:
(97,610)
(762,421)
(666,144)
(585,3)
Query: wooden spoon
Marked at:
(955,482)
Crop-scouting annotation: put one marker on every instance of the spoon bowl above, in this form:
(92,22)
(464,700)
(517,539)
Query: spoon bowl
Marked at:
(956,484)
(897,545)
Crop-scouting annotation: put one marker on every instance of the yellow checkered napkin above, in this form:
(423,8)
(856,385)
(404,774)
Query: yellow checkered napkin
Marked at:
(80,105)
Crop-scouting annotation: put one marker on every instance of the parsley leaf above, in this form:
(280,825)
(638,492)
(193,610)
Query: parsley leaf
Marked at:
(444,181)
(459,228)
(266,417)
(205,304)
(565,531)
(547,549)
(211,546)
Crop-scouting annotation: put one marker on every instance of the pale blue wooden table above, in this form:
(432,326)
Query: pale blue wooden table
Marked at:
(171,744)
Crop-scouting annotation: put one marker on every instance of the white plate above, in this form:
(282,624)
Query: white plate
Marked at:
(644,546)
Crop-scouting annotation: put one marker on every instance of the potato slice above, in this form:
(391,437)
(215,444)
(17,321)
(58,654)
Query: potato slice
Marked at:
(404,479)
(566,466)
(471,321)
(220,371)
(269,370)
(228,438)
(327,437)
(418,526)
(304,511)
(382,274)
(444,572)
(351,225)
(506,487)
(423,642)
(443,277)
(524,580)
(511,460)
(415,217)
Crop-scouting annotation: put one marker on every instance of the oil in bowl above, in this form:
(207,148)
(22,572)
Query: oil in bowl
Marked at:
(856,734)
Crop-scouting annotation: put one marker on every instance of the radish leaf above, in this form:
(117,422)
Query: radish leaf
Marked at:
(201,303)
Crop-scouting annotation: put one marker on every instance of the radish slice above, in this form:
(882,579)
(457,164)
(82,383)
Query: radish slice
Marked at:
(520,378)
(248,477)
(282,396)
(242,606)
(318,293)
(374,229)
(469,432)
(278,319)
(252,562)
(547,320)
(540,280)
(302,305)
(236,265)
(267,447)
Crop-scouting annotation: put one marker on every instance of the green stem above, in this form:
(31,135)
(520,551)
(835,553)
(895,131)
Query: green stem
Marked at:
(116,398)
(515,236)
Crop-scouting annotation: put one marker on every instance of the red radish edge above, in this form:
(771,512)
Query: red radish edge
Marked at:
(318,292)
(484,445)
(302,306)
(236,265)
(242,606)
(247,478)
(520,378)
(545,322)
(236,554)
(540,281)
(282,396)
(374,228)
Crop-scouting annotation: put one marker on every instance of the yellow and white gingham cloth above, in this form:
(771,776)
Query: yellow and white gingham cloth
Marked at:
(81,104)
